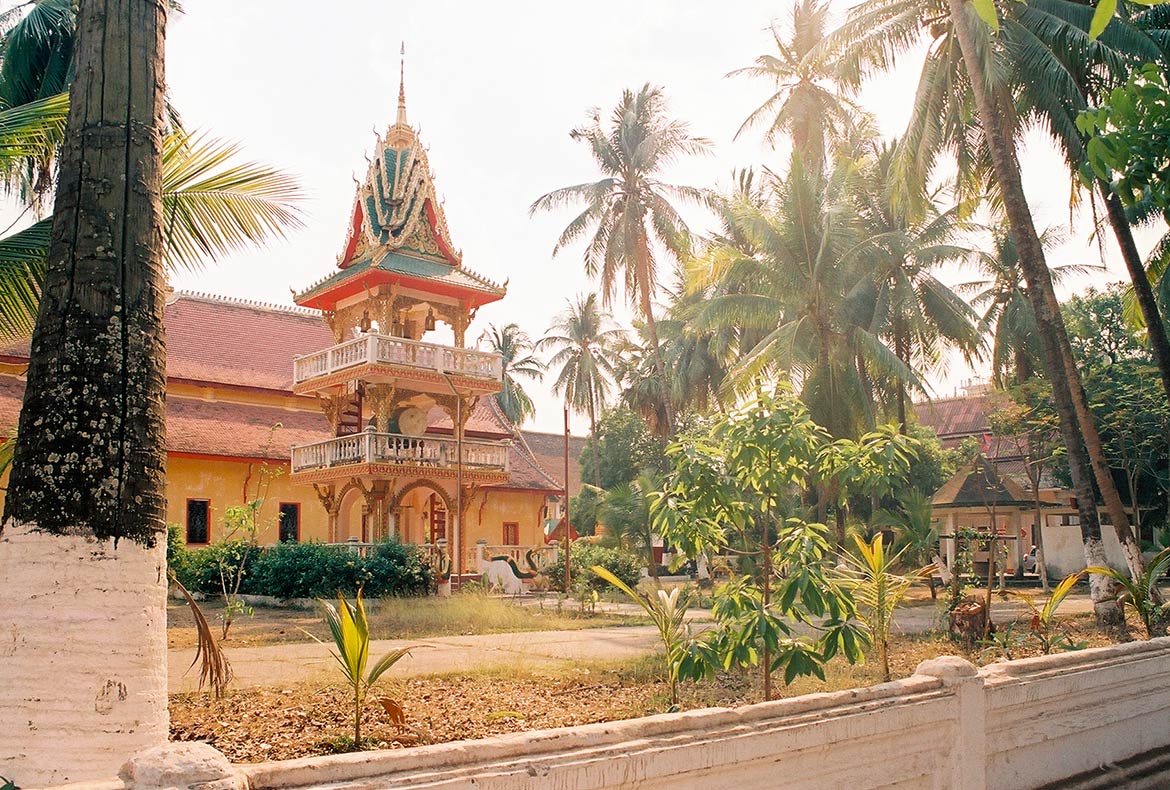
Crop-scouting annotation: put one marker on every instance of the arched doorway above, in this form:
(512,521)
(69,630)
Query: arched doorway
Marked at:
(423,513)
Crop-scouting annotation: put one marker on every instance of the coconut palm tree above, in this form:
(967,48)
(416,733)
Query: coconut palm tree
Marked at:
(967,67)
(805,104)
(515,348)
(214,204)
(625,512)
(920,315)
(584,341)
(629,212)
(1006,314)
(792,282)
(86,499)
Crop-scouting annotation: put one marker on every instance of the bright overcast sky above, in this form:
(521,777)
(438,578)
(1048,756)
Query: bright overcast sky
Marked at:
(495,88)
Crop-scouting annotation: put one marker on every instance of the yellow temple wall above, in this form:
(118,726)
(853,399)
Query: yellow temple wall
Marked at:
(490,510)
(222,480)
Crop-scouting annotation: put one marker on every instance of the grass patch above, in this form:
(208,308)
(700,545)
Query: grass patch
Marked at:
(394,618)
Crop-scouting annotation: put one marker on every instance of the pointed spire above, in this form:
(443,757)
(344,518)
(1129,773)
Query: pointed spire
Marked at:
(402,86)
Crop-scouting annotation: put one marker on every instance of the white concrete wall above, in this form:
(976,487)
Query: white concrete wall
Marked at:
(1065,553)
(1014,725)
(83,670)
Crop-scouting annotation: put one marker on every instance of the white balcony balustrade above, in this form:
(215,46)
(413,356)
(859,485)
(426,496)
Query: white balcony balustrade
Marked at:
(374,349)
(392,448)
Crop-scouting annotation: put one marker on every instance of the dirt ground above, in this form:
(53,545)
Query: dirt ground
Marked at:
(299,721)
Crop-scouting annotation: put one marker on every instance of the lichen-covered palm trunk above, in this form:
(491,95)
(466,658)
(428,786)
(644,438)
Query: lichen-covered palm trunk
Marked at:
(90,451)
(82,569)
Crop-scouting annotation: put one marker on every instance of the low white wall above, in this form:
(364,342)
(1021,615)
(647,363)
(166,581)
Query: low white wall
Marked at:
(1015,725)
(1064,551)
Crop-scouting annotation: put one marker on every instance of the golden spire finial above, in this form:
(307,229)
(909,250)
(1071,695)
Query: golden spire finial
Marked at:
(402,86)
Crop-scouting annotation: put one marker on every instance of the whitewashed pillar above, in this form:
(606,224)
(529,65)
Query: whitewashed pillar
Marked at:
(968,757)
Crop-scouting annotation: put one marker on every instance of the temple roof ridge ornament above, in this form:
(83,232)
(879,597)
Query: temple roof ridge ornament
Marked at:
(398,226)
(396,207)
(401,121)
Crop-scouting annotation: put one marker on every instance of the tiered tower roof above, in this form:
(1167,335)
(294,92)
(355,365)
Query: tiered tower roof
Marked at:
(398,232)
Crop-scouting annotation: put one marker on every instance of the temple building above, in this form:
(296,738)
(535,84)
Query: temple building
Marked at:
(349,416)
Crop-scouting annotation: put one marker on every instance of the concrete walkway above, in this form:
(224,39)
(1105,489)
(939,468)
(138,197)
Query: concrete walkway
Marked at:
(279,665)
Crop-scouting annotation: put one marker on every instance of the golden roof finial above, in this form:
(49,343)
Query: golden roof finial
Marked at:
(402,86)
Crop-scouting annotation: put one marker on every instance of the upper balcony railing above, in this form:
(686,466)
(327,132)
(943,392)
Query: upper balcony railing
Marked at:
(369,447)
(373,349)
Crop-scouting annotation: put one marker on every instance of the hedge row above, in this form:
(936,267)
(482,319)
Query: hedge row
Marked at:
(305,570)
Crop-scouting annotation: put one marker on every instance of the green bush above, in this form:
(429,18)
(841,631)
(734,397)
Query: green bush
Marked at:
(315,570)
(178,558)
(397,568)
(585,555)
(199,568)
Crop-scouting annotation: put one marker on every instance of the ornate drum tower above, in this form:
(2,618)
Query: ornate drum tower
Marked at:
(388,390)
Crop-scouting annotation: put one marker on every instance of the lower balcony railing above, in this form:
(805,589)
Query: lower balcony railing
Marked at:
(381,448)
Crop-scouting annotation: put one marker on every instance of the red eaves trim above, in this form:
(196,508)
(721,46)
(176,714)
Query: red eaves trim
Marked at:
(205,383)
(242,459)
(519,488)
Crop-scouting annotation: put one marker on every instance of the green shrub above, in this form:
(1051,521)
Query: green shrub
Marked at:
(303,570)
(397,568)
(201,566)
(178,559)
(585,555)
(315,570)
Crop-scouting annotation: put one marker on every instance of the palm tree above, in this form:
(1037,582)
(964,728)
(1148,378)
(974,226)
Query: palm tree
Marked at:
(805,104)
(86,501)
(36,61)
(1086,455)
(1006,314)
(789,286)
(913,308)
(630,209)
(967,67)
(625,512)
(213,205)
(583,342)
(515,348)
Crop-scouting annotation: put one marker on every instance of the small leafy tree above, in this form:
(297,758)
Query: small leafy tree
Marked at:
(878,591)
(740,487)
(241,528)
(351,636)
(668,613)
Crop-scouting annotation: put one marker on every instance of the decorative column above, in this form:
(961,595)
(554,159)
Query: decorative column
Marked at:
(381,400)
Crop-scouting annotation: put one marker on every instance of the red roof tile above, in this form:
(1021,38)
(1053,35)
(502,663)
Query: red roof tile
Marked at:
(549,451)
(954,418)
(210,427)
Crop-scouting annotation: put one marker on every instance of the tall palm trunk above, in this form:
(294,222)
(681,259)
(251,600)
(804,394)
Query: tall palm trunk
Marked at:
(1076,425)
(659,368)
(903,354)
(646,305)
(82,563)
(1155,328)
(593,440)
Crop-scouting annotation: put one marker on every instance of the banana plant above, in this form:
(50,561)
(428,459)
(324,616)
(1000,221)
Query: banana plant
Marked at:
(351,636)
(668,612)
(1043,616)
(878,590)
(1141,593)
